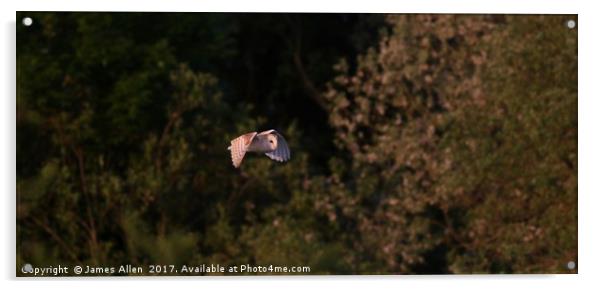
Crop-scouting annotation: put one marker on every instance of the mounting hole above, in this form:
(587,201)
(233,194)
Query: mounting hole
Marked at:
(27,268)
(570,265)
(571,24)
(27,21)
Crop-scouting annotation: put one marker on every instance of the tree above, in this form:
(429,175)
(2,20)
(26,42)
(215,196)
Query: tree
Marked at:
(461,135)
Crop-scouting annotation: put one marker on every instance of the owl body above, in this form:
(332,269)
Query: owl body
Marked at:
(269,142)
(263,143)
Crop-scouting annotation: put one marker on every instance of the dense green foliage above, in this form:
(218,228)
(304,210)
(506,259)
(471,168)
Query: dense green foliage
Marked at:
(420,144)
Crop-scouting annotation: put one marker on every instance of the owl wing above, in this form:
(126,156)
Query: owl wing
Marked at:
(238,147)
(282,152)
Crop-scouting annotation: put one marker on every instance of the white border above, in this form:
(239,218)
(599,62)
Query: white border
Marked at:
(589,140)
(351,6)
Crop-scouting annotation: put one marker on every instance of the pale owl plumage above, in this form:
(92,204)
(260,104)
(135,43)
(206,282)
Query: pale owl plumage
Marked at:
(269,142)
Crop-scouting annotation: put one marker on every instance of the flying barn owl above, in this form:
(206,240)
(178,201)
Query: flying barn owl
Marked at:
(269,142)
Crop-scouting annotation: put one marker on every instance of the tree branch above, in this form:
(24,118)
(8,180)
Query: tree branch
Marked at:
(79,155)
(56,238)
(308,84)
(295,46)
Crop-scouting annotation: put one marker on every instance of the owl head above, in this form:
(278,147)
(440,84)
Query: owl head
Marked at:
(272,141)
